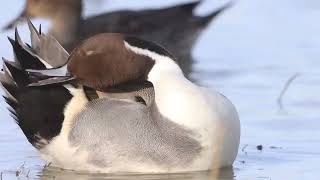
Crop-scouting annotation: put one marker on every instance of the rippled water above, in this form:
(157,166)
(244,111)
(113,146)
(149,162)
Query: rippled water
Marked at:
(248,54)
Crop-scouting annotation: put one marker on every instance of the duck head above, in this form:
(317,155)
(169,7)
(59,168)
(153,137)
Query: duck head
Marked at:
(105,61)
(47,9)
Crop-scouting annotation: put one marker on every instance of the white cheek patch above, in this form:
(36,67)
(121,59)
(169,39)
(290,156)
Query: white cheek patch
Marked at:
(163,64)
(145,52)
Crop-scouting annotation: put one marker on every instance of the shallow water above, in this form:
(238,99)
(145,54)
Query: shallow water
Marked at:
(248,54)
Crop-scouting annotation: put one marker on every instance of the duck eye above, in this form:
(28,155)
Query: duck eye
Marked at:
(139,99)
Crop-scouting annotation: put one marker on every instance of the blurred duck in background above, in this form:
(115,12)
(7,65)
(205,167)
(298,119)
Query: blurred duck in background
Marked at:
(176,28)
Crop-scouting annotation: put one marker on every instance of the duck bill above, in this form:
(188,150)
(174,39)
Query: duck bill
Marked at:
(50,76)
(52,81)
(21,18)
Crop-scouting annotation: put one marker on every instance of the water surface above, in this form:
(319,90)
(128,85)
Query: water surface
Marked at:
(248,54)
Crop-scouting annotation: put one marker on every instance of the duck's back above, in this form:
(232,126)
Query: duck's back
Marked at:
(128,136)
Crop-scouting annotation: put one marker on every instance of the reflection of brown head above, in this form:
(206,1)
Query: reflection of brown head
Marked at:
(103,61)
(48,9)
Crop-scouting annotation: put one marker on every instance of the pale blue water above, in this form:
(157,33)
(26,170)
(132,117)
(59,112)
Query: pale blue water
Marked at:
(247,54)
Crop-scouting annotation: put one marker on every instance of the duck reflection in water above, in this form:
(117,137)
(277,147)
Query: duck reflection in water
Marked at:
(57,173)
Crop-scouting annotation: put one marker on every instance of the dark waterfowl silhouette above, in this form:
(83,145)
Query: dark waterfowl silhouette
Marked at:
(176,28)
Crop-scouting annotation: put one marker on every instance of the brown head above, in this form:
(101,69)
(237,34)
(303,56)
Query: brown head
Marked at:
(48,9)
(105,61)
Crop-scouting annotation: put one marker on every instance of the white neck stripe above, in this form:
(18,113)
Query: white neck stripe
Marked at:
(145,52)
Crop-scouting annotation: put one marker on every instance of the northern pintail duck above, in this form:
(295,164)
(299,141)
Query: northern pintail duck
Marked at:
(171,125)
(176,28)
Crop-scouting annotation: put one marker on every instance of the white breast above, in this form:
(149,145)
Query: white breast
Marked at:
(209,114)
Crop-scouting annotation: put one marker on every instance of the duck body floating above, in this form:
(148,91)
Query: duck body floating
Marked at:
(146,117)
(177,28)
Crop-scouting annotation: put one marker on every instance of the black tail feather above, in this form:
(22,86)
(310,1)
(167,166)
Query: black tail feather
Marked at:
(35,36)
(17,36)
(37,111)
(5,74)
(40,29)
(10,90)
(13,104)
(22,56)
(19,76)
(13,114)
